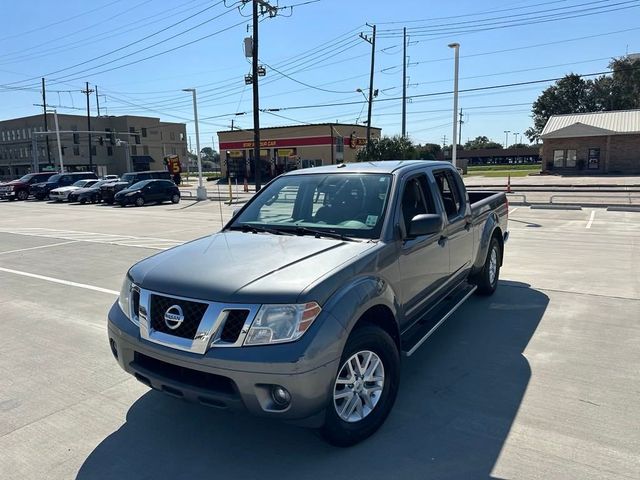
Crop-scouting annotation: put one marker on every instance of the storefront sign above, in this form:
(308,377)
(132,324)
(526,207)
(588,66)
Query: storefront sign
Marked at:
(236,153)
(286,152)
(280,142)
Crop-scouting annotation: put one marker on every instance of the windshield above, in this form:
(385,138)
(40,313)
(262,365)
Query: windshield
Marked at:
(139,185)
(98,183)
(81,183)
(26,178)
(348,204)
(55,178)
(128,177)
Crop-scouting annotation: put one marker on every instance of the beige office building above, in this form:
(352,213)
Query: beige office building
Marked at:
(119,144)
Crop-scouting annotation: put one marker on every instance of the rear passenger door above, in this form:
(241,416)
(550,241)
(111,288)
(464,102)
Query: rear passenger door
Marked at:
(459,232)
(423,260)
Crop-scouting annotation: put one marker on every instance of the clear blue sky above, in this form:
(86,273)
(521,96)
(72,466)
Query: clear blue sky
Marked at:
(315,43)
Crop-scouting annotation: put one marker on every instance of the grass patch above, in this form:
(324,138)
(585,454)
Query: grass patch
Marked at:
(501,173)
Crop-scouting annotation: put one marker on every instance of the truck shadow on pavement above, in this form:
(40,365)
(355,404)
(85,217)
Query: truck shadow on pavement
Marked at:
(458,399)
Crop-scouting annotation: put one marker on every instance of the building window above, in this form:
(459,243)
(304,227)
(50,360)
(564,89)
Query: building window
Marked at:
(172,135)
(558,158)
(594,158)
(570,161)
(93,150)
(145,149)
(3,135)
(110,151)
(76,150)
(181,137)
(339,144)
(76,139)
(144,132)
(24,134)
(134,150)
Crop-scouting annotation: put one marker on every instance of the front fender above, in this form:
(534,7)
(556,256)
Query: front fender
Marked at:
(349,303)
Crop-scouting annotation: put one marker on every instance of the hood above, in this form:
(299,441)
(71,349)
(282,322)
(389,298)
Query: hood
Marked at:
(40,184)
(87,189)
(239,267)
(12,182)
(66,189)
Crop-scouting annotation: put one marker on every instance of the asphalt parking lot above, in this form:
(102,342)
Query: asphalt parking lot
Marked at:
(540,381)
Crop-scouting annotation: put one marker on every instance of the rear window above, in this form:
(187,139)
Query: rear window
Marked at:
(55,178)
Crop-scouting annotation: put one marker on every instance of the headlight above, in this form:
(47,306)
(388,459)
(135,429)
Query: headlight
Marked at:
(124,300)
(281,323)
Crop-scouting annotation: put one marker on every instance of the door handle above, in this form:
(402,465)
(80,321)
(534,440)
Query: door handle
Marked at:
(442,241)
(467,226)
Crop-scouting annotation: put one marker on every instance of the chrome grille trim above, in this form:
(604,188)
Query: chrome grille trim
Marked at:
(208,332)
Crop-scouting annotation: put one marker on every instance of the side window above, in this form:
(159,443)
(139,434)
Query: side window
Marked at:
(416,199)
(449,193)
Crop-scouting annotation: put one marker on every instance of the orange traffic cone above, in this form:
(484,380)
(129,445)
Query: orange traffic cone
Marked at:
(509,184)
(246,185)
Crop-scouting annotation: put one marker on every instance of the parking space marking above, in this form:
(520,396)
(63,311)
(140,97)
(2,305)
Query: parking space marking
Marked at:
(93,237)
(38,248)
(60,281)
(513,210)
(593,215)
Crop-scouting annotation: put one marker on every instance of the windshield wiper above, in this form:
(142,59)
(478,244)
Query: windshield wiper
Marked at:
(320,233)
(258,228)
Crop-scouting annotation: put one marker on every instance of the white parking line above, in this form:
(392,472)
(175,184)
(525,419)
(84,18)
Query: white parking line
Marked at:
(593,215)
(513,210)
(37,248)
(122,240)
(60,281)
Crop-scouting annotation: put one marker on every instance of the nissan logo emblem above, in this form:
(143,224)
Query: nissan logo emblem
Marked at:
(173,317)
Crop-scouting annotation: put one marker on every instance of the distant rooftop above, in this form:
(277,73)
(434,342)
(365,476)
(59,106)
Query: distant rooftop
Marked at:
(592,124)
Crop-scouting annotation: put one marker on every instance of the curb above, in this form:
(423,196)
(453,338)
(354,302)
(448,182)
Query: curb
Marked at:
(623,209)
(555,207)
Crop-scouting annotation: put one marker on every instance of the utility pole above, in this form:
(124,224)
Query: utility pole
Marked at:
(232,125)
(506,138)
(372,41)
(46,129)
(454,149)
(460,129)
(97,101)
(88,91)
(404,82)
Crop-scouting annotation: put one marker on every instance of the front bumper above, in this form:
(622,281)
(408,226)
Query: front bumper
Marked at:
(58,196)
(7,194)
(238,379)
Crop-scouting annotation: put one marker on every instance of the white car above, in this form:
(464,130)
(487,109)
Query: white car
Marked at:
(61,194)
(111,177)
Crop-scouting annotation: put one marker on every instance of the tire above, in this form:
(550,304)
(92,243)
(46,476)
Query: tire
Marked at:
(11,199)
(39,197)
(110,202)
(23,195)
(175,198)
(83,201)
(344,432)
(139,202)
(487,279)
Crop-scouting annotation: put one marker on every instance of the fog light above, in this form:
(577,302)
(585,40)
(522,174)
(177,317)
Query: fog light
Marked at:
(280,396)
(114,348)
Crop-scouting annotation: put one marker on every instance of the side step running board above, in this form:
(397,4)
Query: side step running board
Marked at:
(419,333)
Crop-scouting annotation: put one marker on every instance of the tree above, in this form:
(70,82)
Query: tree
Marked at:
(428,151)
(388,148)
(519,145)
(481,142)
(573,94)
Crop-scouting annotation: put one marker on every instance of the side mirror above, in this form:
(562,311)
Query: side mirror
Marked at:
(425,224)
(235,212)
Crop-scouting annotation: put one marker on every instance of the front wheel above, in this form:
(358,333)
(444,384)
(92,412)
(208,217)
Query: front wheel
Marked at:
(365,387)
(487,278)
(23,195)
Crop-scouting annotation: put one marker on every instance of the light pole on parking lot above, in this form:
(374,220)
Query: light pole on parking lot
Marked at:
(55,117)
(201,192)
(454,149)
(120,143)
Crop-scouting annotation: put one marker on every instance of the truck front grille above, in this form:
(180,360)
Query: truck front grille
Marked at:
(192,311)
(233,325)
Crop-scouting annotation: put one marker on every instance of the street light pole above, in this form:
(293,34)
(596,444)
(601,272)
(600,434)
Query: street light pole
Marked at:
(55,117)
(506,138)
(454,150)
(201,192)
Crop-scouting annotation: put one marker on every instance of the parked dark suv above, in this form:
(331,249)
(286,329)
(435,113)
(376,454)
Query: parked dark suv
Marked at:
(109,191)
(20,188)
(148,191)
(41,190)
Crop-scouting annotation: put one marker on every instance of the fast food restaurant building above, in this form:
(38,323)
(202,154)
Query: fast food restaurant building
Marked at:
(283,149)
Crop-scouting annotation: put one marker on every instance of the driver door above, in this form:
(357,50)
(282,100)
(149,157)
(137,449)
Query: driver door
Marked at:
(424,259)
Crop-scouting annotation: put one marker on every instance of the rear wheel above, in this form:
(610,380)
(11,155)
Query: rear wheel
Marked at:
(365,387)
(175,198)
(23,195)
(487,278)
(139,202)
(83,201)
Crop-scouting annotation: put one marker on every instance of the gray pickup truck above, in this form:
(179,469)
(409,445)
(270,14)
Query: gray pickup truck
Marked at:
(302,306)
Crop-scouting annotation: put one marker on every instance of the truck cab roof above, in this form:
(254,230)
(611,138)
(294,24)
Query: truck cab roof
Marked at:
(385,166)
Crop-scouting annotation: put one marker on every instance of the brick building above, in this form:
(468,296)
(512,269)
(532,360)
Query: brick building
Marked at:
(287,148)
(603,142)
(149,141)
